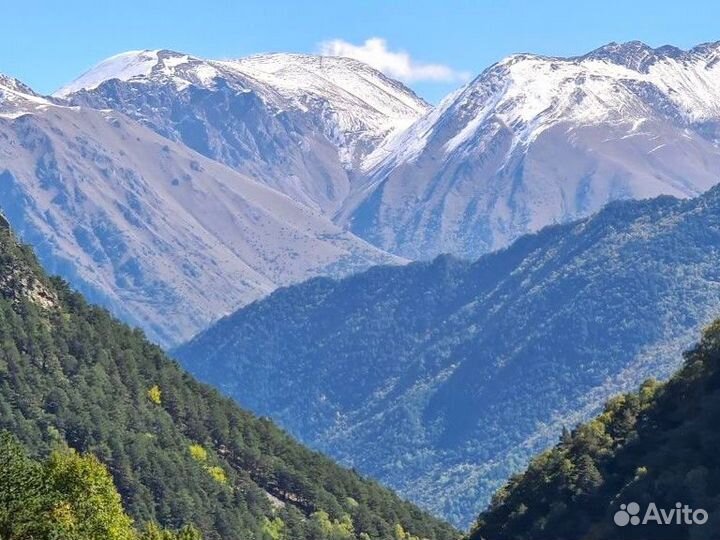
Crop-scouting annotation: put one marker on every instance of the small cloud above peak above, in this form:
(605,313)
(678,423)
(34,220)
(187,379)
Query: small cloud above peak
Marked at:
(393,63)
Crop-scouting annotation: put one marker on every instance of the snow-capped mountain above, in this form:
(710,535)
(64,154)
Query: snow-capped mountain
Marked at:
(531,141)
(536,140)
(299,123)
(167,238)
(361,105)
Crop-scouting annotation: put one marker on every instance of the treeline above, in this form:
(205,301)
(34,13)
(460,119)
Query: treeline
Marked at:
(179,453)
(658,445)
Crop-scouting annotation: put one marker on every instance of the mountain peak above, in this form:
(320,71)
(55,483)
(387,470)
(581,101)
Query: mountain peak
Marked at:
(634,55)
(293,72)
(296,71)
(640,56)
(277,62)
(14,85)
(126,66)
(624,48)
(623,121)
(302,78)
(16,98)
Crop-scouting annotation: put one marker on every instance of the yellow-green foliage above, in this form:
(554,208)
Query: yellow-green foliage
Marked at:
(342,528)
(198,453)
(154,394)
(68,497)
(274,528)
(218,474)
(401,534)
(91,506)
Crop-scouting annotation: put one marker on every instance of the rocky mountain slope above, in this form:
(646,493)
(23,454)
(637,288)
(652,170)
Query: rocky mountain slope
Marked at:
(532,141)
(179,453)
(299,123)
(442,378)
(167,238)
(537,140)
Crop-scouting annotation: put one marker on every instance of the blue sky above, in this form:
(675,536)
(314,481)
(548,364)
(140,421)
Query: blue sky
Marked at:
(46,43)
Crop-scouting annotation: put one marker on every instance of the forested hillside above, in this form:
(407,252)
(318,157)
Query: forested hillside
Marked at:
(658,445)
(178,452)
(441,379)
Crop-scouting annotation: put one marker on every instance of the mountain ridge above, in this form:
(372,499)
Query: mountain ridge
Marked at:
(652,446)
(147,226)
(535,140)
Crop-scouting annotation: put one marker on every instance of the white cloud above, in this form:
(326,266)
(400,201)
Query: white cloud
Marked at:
(396,64)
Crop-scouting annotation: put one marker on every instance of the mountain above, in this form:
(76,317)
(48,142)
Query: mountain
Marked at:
(299,123)
(537,140)
(655,446)
(179,453)
(532,141)
(442,378)
(165,237)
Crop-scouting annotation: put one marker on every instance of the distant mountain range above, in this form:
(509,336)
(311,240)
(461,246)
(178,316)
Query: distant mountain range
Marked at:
(531,141)
(537,140)
(442,378)
(298,123)
(174,189)
(165,237)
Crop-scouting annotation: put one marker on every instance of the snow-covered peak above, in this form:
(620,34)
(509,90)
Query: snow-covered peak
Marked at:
(639,56)
(16,98)
(623,78)
(364,104)
(11,84)
(296,75)
(127,66)
(351,104)
(527,93)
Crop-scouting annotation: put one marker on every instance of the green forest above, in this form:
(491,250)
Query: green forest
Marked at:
(81,391)
(442,378)
(658,445)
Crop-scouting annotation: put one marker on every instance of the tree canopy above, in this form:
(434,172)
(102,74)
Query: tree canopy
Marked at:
(68,496)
